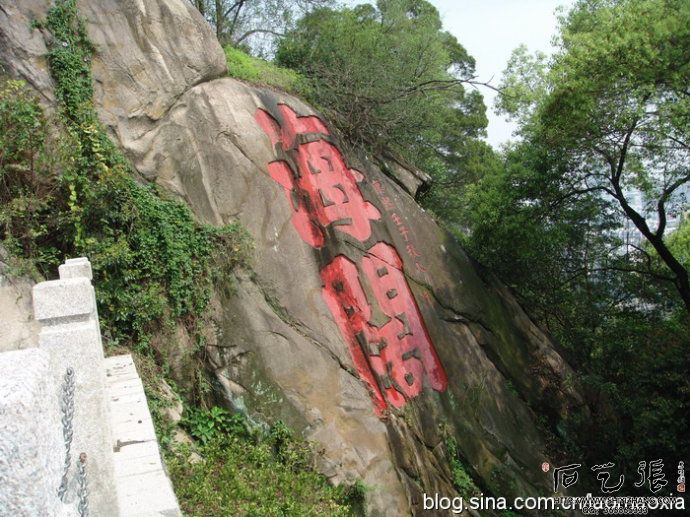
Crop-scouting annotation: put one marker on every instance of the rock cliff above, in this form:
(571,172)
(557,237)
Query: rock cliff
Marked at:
(362,324)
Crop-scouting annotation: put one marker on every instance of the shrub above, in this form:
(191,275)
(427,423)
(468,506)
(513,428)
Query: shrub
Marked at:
(208,425)
(462,480)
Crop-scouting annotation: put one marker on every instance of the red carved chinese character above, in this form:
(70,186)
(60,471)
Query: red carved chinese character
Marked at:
(392,355)
(387,203)
(322,191)
(346,300)
(292,126)
(378,187)
(412,251)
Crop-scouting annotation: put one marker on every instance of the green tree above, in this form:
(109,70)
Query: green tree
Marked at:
(547,219)
(613,107)
(388,76)
(241,22)
(546,247)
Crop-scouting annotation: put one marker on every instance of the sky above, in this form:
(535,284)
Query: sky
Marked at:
(490,30)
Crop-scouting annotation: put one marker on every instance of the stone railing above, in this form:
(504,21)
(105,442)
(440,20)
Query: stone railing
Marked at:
(56,443)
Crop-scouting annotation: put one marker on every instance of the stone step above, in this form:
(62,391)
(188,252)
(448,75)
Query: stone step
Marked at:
(143,487)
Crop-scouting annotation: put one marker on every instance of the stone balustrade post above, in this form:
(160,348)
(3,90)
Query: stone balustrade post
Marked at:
(70,334)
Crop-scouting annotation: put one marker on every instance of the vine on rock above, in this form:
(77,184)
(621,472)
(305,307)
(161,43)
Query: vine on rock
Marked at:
(67,190)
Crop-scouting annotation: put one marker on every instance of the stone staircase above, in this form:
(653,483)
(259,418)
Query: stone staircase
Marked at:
(143,487)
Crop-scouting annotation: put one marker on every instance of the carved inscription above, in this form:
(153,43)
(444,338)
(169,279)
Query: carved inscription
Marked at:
(392,355)
(371,302)
(319,186)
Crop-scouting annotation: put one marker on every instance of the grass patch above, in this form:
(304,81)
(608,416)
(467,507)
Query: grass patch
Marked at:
(241,473)
(233,468)
(263,73)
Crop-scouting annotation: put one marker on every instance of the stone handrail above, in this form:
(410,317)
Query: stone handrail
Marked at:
(45,423)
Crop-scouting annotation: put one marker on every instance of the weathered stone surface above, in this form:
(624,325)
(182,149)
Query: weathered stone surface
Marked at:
(294,375)
(76,268)
(154,52)
(279,352)
(31,447)
(493,354)
(70,299)
(412,180)
(19,329)
(22,47)
(143,487)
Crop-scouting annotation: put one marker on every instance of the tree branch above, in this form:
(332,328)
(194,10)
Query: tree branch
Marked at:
(255,31)
(661,211)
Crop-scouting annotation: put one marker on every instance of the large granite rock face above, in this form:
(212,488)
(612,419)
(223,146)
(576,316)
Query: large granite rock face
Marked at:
(362,324)
(22,48)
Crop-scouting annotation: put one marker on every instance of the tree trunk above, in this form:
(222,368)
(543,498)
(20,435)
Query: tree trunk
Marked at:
(201,7)
(681,280)
(680,274)
(219,19)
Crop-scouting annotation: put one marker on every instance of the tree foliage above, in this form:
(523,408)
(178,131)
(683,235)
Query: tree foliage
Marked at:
(604,119)
(388,76)
(254,23)
(613,107)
